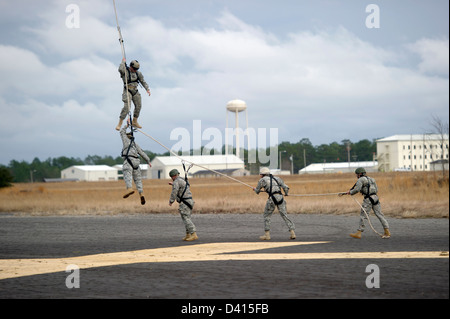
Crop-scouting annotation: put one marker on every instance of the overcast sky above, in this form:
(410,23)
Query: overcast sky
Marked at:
(309,68)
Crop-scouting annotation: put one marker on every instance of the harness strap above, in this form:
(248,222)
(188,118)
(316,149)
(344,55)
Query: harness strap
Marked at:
(277,192)
(369,195)
(182,198)
(128,75)
(127,156)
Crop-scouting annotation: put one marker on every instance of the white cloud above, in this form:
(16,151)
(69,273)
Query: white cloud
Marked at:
(54,36)
(28,76)
(434,54)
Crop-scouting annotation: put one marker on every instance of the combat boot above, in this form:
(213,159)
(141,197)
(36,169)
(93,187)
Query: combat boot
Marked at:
(135,123)
(192,237)
(266,236)
(187,235)
(128,193)
(142,200)
(119,125)
(356,235)
(387,233)
(292,234)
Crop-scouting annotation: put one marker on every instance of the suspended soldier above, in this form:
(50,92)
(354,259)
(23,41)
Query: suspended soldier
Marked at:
(131,170)
(368,187)
(131,78)
(273,185)
(182,194)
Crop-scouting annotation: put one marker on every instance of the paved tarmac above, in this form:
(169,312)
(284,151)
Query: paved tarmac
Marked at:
(143,256)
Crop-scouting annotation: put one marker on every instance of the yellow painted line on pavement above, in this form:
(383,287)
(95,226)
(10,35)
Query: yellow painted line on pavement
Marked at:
(13,268)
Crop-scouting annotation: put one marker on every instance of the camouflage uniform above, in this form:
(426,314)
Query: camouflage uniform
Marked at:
(133,93)
(277,184)
(371,200)
(132,170)
(186,202)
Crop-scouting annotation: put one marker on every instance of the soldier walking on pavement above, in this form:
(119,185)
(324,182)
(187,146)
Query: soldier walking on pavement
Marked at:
(133,77)
(368,187)
(272,185)
(131,170)
(182,194)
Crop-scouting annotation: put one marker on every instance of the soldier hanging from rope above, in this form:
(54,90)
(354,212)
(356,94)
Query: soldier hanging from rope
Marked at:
(131,170)
(131,78)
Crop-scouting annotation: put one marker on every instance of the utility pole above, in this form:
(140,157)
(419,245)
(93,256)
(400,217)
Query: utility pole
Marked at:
(291,158)
(304,157)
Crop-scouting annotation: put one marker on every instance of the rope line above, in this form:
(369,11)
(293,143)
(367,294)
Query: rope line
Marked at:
(368,219)
(224,175)
(192,163)
(306,195)
(122,46)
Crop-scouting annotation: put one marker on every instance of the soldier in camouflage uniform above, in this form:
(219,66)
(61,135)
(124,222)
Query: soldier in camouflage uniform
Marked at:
(134,77)
(131,169)
(272,185)
(367,186)
(182,194)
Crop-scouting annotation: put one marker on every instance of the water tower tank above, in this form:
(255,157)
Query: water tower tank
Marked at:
(236,106)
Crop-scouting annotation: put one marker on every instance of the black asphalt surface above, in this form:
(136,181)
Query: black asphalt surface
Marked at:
(65,236)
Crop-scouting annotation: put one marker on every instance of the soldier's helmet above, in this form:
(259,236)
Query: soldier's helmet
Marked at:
(174,172)
(135,64)
(360,170)
(264,171)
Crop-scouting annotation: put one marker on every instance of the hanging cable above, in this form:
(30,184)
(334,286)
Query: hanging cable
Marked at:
(122,46)
(192,163)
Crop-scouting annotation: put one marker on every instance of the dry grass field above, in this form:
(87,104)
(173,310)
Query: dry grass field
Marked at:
(402,194)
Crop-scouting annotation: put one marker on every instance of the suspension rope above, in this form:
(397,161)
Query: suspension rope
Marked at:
(192,163)
(307,195)
(122,46)
(224,175)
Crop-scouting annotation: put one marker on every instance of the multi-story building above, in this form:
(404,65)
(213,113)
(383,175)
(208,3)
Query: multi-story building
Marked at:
(411,152)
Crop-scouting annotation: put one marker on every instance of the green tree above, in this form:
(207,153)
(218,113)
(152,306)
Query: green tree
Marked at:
(5,177)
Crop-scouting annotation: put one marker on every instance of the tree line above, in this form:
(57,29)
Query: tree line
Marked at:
(302,154)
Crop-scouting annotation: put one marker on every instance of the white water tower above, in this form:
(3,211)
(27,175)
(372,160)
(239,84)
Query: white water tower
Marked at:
(236,106)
